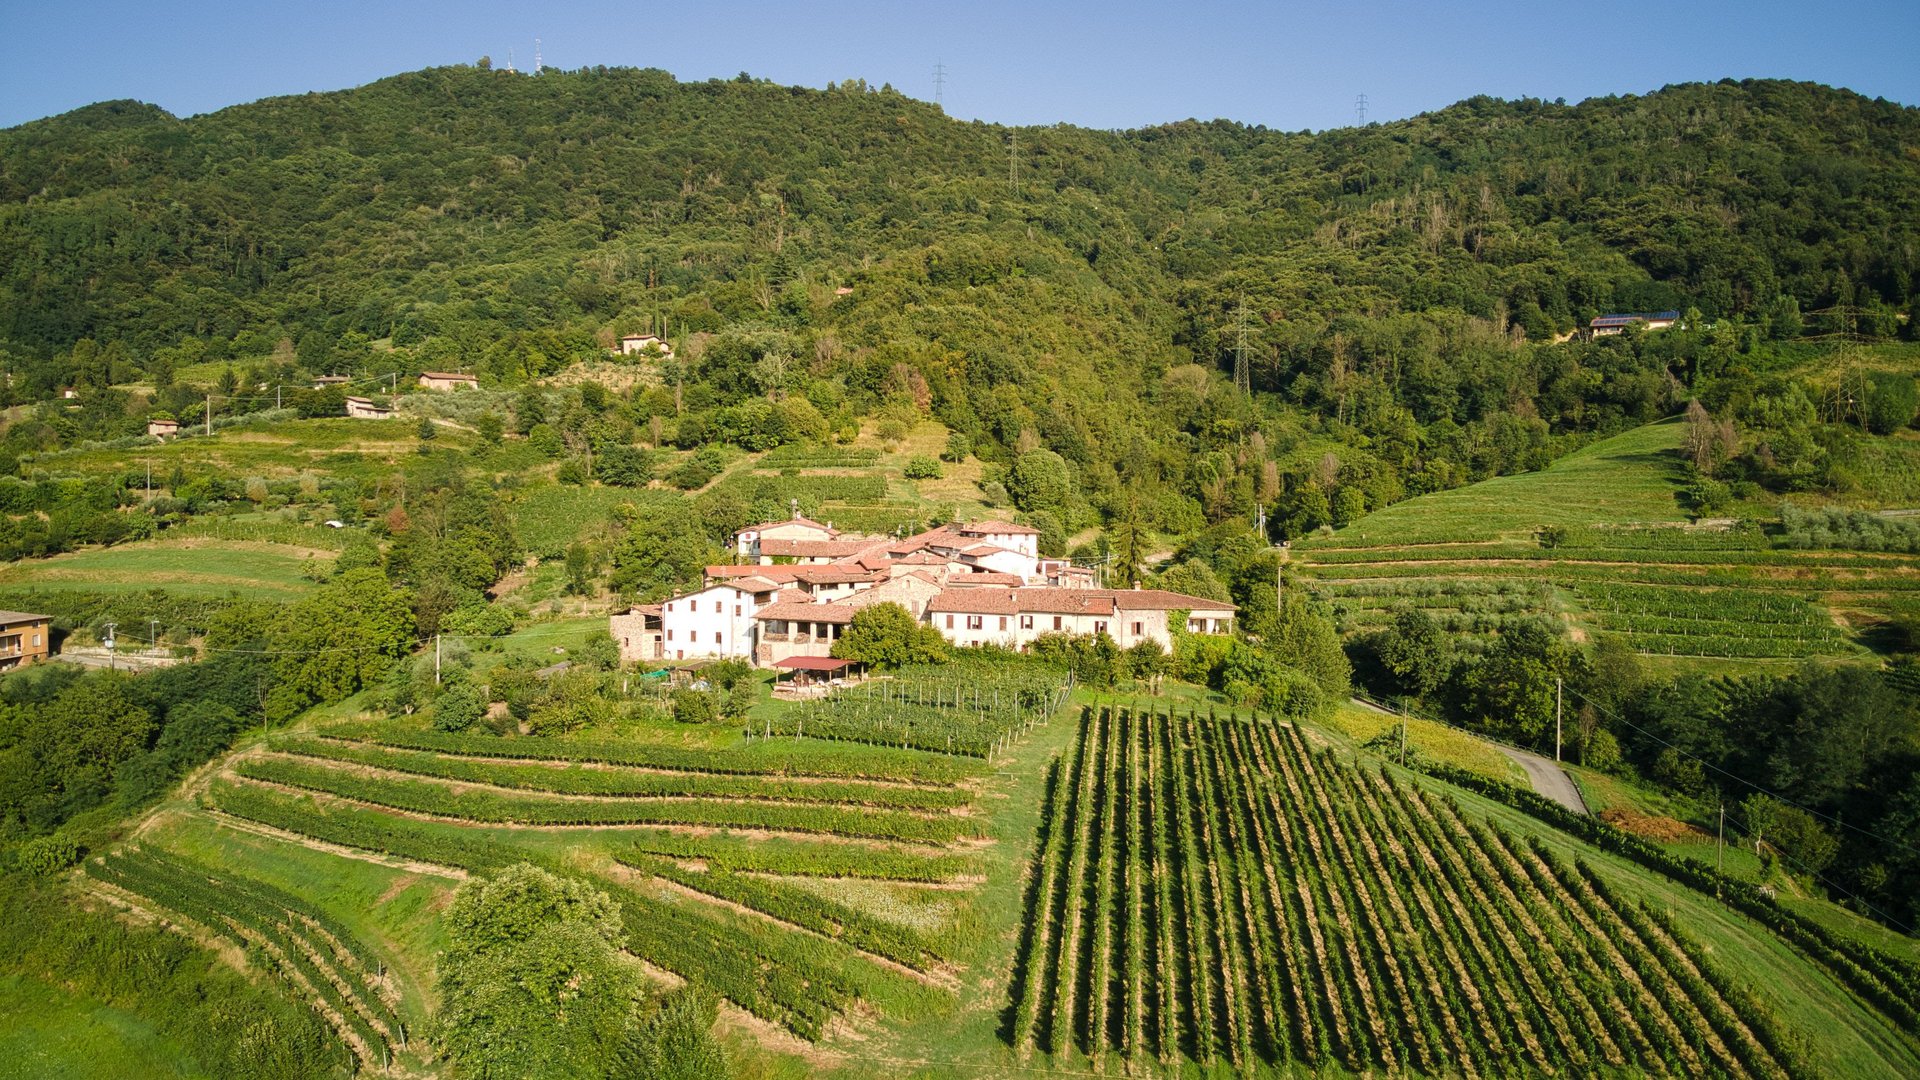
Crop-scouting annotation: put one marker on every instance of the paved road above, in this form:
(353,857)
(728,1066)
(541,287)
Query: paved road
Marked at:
(1548,779)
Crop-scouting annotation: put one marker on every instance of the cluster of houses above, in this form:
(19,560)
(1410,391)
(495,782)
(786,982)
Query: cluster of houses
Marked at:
(798,583)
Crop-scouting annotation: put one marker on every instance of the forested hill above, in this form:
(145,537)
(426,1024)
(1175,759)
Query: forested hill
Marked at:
(1046,286)
(455,196)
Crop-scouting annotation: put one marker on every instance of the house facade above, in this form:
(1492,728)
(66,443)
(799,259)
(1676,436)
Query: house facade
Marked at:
(716,622)
(360,408)
(447,380)
(24,638)
(163,429)
(641,344)
(638,634)
(1609,325)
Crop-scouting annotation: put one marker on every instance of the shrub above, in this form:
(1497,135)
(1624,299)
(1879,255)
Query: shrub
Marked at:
(923,468)
(459,706)
(48,855)
(694,707)
(959,446)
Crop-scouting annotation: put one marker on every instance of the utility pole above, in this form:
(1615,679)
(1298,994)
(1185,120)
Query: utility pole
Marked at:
(1556,718)
(111,664)
(1403,740)
(209,414)
(276,396)
(436,659)
(149,479)
(153,634)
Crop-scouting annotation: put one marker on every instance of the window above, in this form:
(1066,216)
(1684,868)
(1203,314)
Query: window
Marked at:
(974,622)
(736,611)
(1057,624)
(1003,622)
(1197,625)
(949,622)
(669,635)
(1136,629)
(1026,622)
(716,637)
(1099,626)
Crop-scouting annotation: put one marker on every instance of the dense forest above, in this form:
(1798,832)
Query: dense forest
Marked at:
(822,256)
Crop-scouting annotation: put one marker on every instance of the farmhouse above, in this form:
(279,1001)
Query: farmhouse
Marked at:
(447,380)
(640,344)
(24,638)
(1013,618)
(324,381)
(716,621)
(638,634)
(360,408)
(746,542)
(163,429)
(1608,325)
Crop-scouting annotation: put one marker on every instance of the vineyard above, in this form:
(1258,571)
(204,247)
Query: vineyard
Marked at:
(968,706)
(1213,890)
(729,865)
(313,952)
(1590,540)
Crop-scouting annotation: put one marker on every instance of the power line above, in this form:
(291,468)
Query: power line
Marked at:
(1743,780)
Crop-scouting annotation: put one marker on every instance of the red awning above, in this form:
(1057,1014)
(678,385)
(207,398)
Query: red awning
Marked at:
(811,663)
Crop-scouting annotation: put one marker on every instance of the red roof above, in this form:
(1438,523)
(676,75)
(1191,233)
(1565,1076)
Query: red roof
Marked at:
(814,549)
(795,611)
(1003,601)
(1005,528)
(811,663)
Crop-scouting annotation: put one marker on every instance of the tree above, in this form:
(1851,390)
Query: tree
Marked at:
(533,982)
(1129,542)
(459,705)
(579,569)
(426,430)
(1892,400)
(1305,640)
(922,468)
(886,636)
(1415,651)
(1040,481)
(338,639)
(1194,578)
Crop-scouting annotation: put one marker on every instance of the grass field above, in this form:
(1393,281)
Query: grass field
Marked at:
(187,567)
(48,1033)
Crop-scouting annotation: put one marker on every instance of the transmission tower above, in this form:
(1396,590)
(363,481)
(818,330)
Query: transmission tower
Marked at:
(536,56)
(1242,374)
(1360,109)
(939,83)
(510,60)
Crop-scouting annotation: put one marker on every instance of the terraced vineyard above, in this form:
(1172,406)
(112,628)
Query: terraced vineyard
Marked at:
(720,859)
(313,952)
(1212,890)
(1623,562)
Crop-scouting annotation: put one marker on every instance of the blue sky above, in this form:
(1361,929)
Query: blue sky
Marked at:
(1120,64)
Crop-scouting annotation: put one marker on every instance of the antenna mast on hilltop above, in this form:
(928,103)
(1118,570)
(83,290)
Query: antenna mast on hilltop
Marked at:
(509,59)
(1360,109)
(939,83)
(536,56)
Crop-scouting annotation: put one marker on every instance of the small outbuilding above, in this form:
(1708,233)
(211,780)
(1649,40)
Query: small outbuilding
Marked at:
(163,429)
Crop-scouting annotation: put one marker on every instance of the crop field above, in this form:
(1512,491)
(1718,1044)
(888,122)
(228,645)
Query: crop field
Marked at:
(1214,891)
(725,861)
(338,447)
(1624,564)
(963,707)
(549,517)
(186,567)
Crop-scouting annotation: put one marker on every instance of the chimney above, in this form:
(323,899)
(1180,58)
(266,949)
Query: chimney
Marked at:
(1136,586)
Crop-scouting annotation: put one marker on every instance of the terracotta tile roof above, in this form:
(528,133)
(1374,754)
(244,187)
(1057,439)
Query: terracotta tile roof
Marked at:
(814,549)
(757,583)
(644,609)
(11,617)
(795,611)
(1005,528)
(991,600)
(1162,600)
(981,578)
